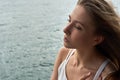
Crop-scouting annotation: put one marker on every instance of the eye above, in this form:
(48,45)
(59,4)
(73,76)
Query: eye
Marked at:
(78,27)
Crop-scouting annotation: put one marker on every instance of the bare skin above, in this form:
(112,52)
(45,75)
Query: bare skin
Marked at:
(79,35)
(88,73)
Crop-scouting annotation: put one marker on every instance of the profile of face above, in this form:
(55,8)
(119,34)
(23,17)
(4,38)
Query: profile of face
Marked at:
(79,32)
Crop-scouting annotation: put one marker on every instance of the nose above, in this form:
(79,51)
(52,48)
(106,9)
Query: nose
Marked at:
(68,29)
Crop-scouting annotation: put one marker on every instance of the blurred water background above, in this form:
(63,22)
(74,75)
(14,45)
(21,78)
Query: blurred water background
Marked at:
(31,35)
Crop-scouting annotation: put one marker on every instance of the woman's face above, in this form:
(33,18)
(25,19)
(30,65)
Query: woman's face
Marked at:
(79,32)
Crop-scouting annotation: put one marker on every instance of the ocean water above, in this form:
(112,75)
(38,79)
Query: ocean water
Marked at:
(31,35)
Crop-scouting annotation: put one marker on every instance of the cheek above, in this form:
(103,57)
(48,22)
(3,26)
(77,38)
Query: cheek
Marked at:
(81,39)
(77,37)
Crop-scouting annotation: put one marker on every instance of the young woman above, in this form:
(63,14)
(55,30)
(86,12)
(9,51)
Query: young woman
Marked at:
(91,44)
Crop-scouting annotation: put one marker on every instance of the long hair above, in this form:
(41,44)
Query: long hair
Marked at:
(107,24)
(113,76)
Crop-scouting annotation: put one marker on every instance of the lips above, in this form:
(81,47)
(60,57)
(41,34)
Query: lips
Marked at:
(66,39)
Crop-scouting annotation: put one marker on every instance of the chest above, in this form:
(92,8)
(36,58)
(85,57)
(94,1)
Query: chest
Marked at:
(73,72)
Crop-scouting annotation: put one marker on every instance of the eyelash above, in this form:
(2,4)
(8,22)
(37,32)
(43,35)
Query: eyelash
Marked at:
(79,28)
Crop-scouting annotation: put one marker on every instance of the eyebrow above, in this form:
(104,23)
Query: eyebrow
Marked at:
(78,21)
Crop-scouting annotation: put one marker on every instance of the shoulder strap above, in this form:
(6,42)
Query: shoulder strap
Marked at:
(101,68)
(70,54)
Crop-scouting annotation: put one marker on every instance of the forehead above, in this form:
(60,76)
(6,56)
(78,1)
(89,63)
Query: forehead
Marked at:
(80,14)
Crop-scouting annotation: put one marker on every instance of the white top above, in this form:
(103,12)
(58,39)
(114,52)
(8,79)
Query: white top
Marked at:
(62,73)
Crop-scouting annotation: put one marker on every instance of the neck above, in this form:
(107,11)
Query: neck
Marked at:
(88,57)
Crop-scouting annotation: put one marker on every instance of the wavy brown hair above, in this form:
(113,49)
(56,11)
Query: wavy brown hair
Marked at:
(107,24)
(113,76)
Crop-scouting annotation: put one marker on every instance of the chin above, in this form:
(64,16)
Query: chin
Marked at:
(68,46)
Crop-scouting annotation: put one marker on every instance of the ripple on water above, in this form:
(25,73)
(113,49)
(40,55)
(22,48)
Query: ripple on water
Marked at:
(3,24)
(45,64)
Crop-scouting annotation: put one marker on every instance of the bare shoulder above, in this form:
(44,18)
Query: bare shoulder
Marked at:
(109,69)
(63,52)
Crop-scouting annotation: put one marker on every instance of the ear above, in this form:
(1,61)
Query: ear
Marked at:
(98,40)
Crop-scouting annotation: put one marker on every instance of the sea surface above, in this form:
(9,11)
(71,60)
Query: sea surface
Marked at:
(31,33)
